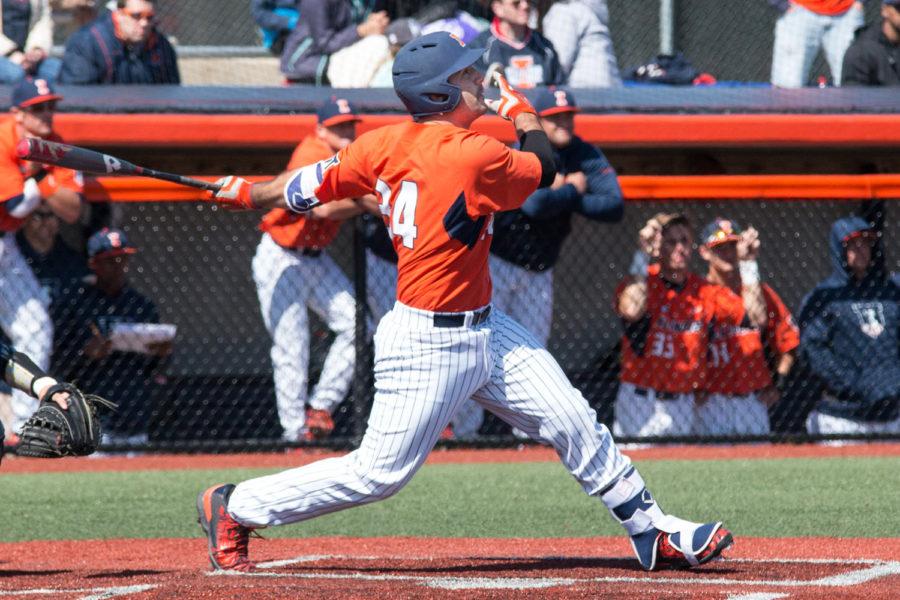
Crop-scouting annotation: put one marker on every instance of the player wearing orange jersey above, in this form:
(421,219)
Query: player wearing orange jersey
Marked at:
(667,311)
(293,273)
(24,186)
(440,184)
(739,385)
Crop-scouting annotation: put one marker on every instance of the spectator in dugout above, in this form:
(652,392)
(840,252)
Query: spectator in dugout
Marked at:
(850,336)
(579,31)
(667,312)
(528,58)
(26,41)
(874,56)
(804,27)
(88,313)
(340,43)
(123,46)
(740,388)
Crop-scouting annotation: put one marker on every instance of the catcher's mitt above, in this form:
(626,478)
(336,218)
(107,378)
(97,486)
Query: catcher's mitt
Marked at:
(53,432)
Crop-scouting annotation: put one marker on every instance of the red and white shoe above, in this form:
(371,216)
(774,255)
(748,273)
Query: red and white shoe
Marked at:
(227,539)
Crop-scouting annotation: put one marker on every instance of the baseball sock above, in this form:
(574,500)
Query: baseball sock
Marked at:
(631,503)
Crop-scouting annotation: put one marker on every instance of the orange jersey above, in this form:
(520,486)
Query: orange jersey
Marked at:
(14,171)
(291,230)
(826,7)
(667,350)
(439,186)
(737,364)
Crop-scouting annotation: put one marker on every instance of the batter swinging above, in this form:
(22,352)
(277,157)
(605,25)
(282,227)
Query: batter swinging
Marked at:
(439,186)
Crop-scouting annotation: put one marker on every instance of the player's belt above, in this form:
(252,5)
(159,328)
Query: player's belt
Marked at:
(312,252)
(659,395)
(459,319)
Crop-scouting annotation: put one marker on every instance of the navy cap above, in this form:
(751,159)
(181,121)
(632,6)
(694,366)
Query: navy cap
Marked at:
(109,242)
(554,100)
(336,110)
(720,231)
(29,92)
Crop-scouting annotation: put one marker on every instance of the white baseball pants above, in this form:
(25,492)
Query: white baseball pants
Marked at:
(821,424)
(724,414)
(639,413)
(526,296)
(24,318)
(287,283)
(422,375)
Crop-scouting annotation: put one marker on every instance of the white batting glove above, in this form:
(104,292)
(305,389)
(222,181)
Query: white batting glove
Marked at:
(234,192)
(31,199)
(512,102)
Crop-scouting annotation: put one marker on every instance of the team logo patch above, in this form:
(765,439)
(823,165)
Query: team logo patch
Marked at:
(871,318)
(343,106)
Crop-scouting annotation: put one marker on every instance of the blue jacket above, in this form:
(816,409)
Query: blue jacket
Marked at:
(95,55)
(532,236)
(849,333)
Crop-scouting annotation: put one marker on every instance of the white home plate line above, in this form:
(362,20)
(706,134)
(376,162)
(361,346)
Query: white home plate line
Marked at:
(92,593)
(876,570)
(757,596)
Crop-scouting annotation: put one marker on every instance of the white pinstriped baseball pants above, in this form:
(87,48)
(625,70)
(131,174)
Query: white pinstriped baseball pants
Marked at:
(287,283)
(24,318)
(422,374)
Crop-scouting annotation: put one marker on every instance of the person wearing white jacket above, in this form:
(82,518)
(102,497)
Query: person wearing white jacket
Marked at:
(26,40)
(579,31)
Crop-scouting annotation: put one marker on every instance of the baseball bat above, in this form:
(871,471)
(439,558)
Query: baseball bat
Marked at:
(82,159)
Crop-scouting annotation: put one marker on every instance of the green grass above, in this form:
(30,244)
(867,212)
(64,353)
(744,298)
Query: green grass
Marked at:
(844,497)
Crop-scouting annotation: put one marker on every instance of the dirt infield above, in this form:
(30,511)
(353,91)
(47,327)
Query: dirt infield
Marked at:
(164,462)
(757,569)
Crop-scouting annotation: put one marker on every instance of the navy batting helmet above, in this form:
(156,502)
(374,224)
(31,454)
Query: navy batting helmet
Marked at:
(422,68)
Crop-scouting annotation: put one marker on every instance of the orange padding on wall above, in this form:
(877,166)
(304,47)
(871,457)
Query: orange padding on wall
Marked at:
(634,187)
(608,130)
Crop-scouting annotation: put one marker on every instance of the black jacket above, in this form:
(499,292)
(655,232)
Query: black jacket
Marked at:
(95,55)
(871,59)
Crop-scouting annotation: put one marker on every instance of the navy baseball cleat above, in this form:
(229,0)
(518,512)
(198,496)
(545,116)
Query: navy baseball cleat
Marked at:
(227,539)
(691,545)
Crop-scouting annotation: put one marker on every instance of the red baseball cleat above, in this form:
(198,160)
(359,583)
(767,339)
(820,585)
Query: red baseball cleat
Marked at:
(319,423)
(227,538)
(671,552)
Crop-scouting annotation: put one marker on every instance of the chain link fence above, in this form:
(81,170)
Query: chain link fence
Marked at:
(732,41)
(213,386)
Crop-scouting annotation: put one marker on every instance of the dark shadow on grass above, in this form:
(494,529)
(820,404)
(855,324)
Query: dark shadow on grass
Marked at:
(124,574)
(21,573)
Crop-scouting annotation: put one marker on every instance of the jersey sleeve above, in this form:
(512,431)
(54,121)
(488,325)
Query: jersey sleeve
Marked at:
(505,177)
(349,174)
(784,335)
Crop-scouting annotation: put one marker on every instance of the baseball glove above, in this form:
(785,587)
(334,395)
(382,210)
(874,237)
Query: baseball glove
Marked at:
(54,432)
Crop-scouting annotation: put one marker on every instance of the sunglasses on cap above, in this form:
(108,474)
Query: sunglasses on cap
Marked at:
(42,107)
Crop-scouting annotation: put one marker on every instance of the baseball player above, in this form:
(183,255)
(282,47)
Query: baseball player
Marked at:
(292,273)
(739,385)
(667,312)
(24,187)
(440,184)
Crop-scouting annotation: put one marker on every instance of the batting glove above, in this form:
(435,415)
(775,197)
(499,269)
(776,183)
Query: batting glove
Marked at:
(31,199)
(234,193)
(512,102)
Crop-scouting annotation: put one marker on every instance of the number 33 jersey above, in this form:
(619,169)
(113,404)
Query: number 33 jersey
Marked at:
(666,350)
(438,187)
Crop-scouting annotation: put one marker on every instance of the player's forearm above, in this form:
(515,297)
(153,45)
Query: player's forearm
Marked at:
(270,194)
(786,363)
(755,304)
(66,204)
(633,301)
(533,139)
(21,373)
